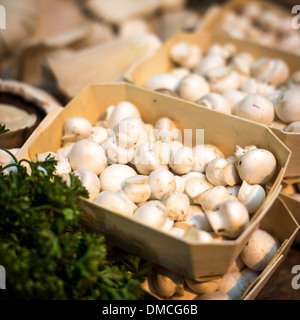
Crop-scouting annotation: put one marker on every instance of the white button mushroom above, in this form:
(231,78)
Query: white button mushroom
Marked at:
(194,186)
(137,188)
(112,177)
(185,54)
(254,86)
(162,81)
(166,129)
(233,96)
(88,154)
(114,202)
(99,134)
(212,198)
(259,250)
(146,159)
(256,166)
(241,62)
(229,220)
(293,127)
(168,283)
(208,63)
(192,87)
(235,283)
(122,110)
(177,205)
(256,107)
(161,181)
(133,128)
(214,101)
(152,213)
(287,106)
(163,151)
(182,160)
(272,71)
(89,180)
(252,196)
(76,128)
(119,149)
(203,154)
(222,79)
(202,287)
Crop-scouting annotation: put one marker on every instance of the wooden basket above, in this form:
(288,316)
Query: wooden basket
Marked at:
(193,260)
(159,62)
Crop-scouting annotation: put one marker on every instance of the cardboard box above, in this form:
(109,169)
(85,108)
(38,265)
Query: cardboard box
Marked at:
(159,62)
(280,223)
(193,260)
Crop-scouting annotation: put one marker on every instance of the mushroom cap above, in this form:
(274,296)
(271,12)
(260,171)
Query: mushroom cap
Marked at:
(256,107)
(208,63)
(162,81)
(287,106)
(214,101)
(222,79)
(112,177)
(192,87)
(177,205)
(137,188)
(203,154)
(259,250)
(146,159)
(115,202)
(256,166)
(133,128)
(152,213)
(161,181)
(77,128)
(230,219)
(252,196)
(293,127)
(89,180)
(235,283)
(211,198)
(202,287)
(122,110)
(88,154)
(182,160)
(185,54)
(272,71)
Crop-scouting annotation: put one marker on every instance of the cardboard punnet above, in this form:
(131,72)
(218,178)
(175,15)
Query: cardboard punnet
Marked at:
(280,223)
(194,260)
(159,62)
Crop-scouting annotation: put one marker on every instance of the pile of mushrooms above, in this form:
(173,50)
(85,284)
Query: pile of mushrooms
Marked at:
(145,172)
(233,82)
(262,25)
(259,251)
